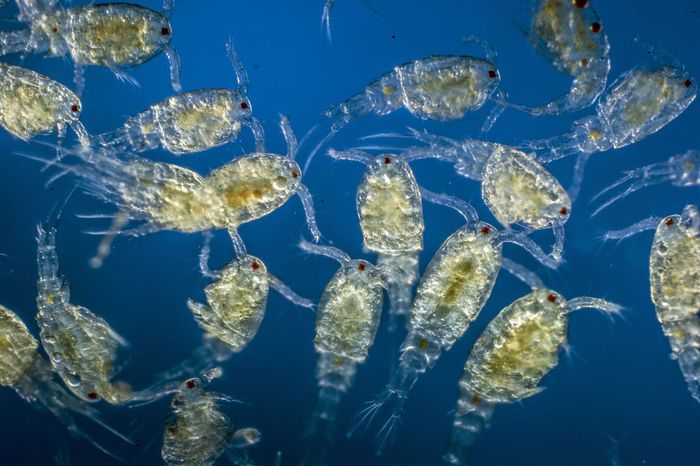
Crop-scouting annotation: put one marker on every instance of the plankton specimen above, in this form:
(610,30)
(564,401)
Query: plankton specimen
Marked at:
(674,271)
(198,432)
(681,170)
(115,35)
(452,291)
(191,122)
(570,35)
(391,218)
(31,376)
(32,104)
(347,321)
(516,350)
(639,103)
(326,17)
(440,88)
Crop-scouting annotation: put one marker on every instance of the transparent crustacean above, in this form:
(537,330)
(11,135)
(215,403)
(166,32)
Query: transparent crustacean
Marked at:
(197,432)
(81,346)
(346,324)
(570,35)
(439,88)
(169,197)
(516,350)
(674,275)
(191,122)
(115,35)
(31,376)
(32,104)
(681,170)
(452,291)
(639,103)
(326,17)
(390,210)
(236,303)
(515,187)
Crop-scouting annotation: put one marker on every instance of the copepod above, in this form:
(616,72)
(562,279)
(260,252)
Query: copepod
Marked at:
(165,196)
(638,104)
(674,271)
(516,188)
(31,376)
(452,291)
(509,359)
(390,211)
(81,346)
(198,432)
(570,35)
(115,35)
(439,88)
(192,121)
(32,104)
(681,170)
(346,324)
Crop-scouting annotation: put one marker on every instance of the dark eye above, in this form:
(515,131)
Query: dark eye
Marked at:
(492,74)
(192,383)
(687,83)
(92,395)
(75,108)
(165,30)
(245,105)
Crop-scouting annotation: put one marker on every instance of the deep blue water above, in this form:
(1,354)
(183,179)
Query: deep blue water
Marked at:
(618,399)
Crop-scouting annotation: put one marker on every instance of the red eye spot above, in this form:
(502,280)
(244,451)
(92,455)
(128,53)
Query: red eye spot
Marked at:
(74,108)
(255,265)
(595,27)
(563,211)
(580,3)
(245,106)
(165,30)
(669,221)
(551,298)
(295,174)
(92,395)
(687,83)
(492,74)
(476,399)
(191,384)
(361,267)
(54,29)
(486,230)
(387,160)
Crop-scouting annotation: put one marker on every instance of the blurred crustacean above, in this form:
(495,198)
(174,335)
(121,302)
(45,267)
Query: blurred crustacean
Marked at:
(516,350)
(390,211)
(570,35)
(681,170)
(639,103)
(81,346)
(439,88)
(197,432)
(515,187)
(347,321)
(674,274)
(191,122)
(169,197)
(32,104)
(28,373)
(115,35)
(452,291)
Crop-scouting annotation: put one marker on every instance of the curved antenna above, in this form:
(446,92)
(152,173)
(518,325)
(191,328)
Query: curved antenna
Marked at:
(289,294)
(309,212)
(530,246)
(238,68)
(585,302)
(650,223)
(174,61)
(324,250)
(489,51)
(326,18)
(238,244)
(289,137)
(204,254)
(462,207)
(352,154)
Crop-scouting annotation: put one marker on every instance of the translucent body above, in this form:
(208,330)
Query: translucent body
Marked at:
(18,348)
(573,39)
(81,346)
(197,431)
(32,104)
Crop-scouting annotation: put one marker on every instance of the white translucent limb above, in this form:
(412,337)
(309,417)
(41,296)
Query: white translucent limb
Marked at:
(525,242)
(472,417)
(577,178)
(105,246)
(352,154)
(174,65)
(123,76)
(204,256)
(559,236)
(489,51)
(18,41)
(81,133)
(691,218)
(326,18)
(242,79)
(289,137)
(462,207)
(638,178)
(258,133)
(496,112)
(324,250)
(60,137)
(308,203)
(238,245)
(650,223)
(79,78)
(289,294)
(522,273)
(586,302)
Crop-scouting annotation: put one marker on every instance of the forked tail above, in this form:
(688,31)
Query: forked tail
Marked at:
(471,418)
(321,428)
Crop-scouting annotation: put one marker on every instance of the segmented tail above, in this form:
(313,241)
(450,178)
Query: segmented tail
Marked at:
(684,337)
(472,417)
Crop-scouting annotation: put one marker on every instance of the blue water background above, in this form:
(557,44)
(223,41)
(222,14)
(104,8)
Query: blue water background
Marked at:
(618,390)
